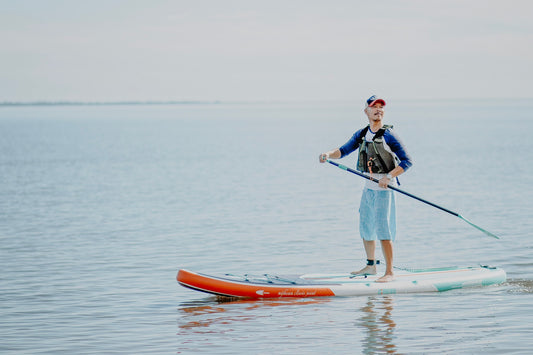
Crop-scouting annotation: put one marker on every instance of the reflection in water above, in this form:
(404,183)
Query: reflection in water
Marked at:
(376,318)
(199,316)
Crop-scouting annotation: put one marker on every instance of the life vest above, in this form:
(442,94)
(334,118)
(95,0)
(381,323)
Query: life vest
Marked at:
(373,158)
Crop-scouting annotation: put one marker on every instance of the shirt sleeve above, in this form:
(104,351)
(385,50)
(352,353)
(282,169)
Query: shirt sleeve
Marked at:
(351,145)
(396,145)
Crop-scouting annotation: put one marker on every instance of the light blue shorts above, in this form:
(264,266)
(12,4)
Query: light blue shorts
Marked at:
(377,215)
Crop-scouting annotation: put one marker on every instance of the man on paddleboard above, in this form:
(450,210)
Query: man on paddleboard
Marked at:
(383,156)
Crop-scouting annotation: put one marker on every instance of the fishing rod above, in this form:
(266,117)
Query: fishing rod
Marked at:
(343,167)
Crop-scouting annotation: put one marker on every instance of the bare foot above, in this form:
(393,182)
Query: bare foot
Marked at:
(386,278)
(367,270)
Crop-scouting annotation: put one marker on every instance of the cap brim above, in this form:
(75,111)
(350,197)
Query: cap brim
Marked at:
(381,101)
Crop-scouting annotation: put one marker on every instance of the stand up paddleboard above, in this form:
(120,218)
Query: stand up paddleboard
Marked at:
(316,285)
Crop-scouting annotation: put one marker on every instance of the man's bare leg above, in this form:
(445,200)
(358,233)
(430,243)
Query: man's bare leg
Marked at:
(370,250)
(387,248)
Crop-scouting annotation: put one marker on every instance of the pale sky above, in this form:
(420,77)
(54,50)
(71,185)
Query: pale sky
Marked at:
(248,50)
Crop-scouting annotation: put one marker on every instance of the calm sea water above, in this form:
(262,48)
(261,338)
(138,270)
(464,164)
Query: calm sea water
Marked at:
(101,205)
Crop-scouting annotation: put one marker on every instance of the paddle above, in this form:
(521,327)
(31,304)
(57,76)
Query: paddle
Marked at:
(343,167)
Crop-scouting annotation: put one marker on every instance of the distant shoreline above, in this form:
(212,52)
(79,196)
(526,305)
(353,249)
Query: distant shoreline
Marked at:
(111,103)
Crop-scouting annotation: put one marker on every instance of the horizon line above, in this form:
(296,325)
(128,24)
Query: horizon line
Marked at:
(221,102)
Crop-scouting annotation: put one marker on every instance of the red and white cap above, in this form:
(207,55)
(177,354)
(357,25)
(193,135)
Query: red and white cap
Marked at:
(372,100)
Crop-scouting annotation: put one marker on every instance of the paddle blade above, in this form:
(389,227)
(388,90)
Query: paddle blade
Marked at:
(478,227)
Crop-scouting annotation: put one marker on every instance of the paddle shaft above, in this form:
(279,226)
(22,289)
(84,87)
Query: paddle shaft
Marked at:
(343,167)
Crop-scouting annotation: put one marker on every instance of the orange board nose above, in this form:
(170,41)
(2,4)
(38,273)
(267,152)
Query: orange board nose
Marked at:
(241,289)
